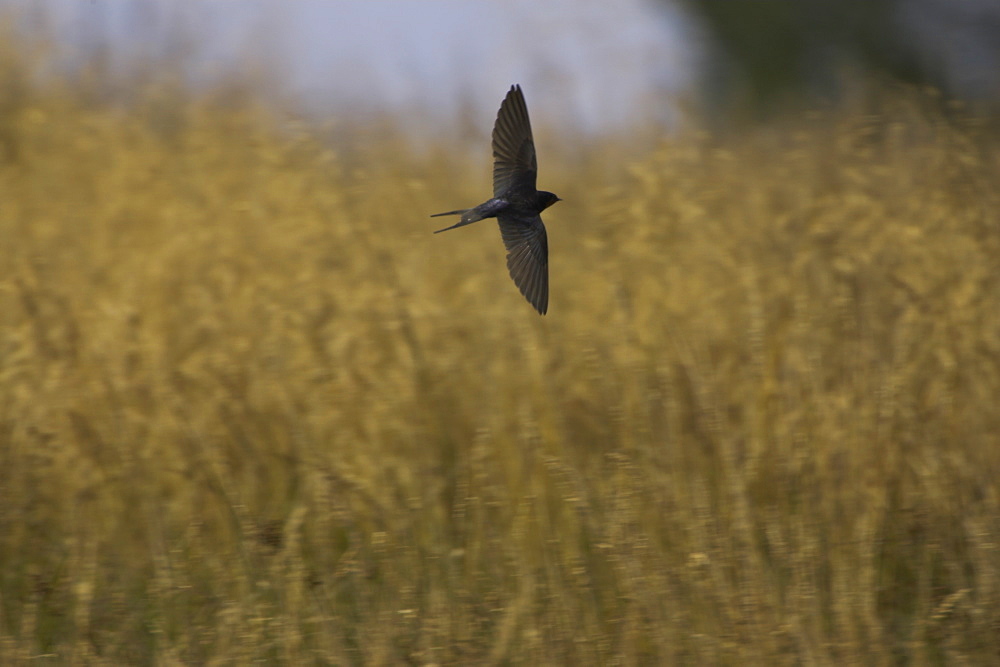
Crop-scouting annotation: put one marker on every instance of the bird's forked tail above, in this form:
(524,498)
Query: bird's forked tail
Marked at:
(469,216)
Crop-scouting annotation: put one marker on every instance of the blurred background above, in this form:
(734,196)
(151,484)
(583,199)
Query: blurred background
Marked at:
(253,411)
(587,65)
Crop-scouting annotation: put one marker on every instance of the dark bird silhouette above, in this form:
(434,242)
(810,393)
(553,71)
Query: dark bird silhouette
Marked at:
(516,204)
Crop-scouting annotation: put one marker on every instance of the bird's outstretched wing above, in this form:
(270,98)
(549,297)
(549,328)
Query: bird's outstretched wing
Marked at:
(514,162)
(527,257)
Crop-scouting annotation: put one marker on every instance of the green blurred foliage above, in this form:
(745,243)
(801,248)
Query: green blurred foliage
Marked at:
(771,51)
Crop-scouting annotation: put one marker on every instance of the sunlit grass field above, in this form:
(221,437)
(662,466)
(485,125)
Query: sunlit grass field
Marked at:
(252,410)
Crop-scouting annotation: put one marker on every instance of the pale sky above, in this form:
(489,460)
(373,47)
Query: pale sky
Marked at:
(598,65)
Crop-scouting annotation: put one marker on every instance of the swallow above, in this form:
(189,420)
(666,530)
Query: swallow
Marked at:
(516,204)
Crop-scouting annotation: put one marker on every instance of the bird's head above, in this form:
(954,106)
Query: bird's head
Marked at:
(547,199)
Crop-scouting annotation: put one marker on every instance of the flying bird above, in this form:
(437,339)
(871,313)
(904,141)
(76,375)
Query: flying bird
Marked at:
(516,204)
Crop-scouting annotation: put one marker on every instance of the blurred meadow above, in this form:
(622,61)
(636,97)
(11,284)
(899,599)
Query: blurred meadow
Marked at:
(252,410)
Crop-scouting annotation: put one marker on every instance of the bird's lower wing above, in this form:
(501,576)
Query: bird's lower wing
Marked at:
(528,258)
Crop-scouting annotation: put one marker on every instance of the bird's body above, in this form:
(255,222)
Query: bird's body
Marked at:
(516,204)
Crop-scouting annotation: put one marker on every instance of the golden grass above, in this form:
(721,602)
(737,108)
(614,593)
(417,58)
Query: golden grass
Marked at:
(252,410)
